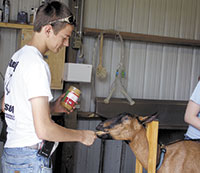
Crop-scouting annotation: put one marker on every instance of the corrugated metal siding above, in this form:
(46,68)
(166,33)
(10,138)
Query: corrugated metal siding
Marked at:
(154,71)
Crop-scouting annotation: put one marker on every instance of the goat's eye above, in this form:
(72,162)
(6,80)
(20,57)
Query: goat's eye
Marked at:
(125,118)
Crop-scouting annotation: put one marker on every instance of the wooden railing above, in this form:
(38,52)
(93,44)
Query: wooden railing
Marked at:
(152,136)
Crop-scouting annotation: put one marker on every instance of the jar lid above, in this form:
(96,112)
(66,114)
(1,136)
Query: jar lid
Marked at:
(74,89)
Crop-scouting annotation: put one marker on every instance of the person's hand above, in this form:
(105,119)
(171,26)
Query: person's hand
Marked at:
(88,137)
(56,106)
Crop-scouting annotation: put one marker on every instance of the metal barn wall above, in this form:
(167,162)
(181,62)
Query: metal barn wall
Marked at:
(153,71)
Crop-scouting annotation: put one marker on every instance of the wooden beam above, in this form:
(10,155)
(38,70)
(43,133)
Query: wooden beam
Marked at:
(171,112)
(15,25)
(142,37)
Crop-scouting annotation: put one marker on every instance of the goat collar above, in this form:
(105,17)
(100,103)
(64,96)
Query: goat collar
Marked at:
(162,155)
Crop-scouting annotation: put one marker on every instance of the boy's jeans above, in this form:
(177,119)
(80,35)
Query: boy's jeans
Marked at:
(24,160)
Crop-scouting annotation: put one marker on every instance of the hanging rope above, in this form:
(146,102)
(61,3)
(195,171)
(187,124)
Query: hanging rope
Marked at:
(101,71)
(120,73)
(94,52)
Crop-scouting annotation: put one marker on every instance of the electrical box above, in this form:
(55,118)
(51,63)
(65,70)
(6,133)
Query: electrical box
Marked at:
(75,72)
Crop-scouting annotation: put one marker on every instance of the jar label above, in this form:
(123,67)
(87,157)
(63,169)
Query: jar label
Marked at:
(70,99)
(72,96)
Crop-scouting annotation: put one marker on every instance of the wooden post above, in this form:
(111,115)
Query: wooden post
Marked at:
(152,136)
(138,166)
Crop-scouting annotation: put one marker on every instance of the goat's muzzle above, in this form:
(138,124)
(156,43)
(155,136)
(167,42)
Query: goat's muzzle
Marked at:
(102,133)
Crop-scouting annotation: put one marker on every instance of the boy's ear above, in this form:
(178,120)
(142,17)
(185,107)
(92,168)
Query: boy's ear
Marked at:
(47,29)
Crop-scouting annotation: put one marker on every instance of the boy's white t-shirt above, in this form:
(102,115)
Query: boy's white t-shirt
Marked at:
(193,132)
(27,76)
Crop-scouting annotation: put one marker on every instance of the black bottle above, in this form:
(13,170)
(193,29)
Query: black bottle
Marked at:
(6,10)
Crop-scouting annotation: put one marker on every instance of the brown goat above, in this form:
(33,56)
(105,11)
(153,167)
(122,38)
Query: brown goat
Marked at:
(180,157)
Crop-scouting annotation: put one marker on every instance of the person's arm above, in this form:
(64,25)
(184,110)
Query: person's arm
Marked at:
(56,107)
(191,114)
(46,129)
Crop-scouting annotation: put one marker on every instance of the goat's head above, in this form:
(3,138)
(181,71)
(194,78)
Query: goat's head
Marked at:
(122,127)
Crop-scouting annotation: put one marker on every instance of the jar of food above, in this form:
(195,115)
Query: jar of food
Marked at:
(70,98)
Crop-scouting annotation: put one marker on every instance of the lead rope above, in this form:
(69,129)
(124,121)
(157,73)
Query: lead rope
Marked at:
(94,54)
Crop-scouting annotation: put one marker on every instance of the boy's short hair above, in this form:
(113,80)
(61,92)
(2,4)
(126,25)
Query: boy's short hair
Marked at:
(50,13)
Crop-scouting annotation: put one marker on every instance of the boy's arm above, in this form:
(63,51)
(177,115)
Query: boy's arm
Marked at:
(46,129)
(191,114)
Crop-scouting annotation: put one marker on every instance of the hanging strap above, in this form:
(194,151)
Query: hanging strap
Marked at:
(162,155)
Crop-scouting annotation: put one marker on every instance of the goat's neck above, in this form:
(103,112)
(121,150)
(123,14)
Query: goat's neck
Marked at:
(139,145)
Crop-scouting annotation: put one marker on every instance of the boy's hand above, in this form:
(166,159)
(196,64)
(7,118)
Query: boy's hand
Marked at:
(56,106)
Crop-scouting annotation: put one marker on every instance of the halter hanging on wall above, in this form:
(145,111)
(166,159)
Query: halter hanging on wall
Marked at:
(120,73)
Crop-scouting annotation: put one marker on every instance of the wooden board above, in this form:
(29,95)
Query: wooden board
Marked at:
(152,136)
(171,112)
(15,25)
(142,37)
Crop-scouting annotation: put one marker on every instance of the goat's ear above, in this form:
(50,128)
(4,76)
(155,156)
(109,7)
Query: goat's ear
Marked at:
(149,118)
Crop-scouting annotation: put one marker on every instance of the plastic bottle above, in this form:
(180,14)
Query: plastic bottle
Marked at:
(32,15)
(6,10)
